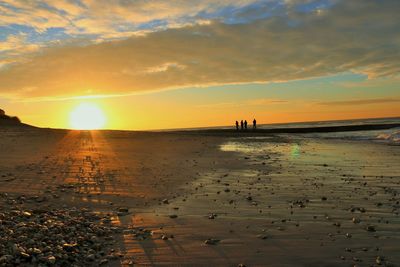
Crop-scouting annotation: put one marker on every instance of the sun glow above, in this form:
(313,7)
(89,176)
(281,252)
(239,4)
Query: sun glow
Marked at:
(87,116)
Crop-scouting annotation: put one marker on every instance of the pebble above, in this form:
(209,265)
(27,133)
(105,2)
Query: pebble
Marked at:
(212,216)
(262,236)
(211,241)
(62,237)
(124,210)
(51,260)
(371,228)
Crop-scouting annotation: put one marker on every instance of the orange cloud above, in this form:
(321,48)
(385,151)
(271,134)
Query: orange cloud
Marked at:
(357,102)
(321,43)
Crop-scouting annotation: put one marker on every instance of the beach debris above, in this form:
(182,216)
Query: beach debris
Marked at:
(212,241)
(355,220)
(173,216)
(165,201)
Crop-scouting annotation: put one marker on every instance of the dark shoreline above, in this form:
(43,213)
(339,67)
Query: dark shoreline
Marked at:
(321,129)
(230,132)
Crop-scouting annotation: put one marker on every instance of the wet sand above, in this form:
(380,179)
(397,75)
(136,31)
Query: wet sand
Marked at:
(259,201)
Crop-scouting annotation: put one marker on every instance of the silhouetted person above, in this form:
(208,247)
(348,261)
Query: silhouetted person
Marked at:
(237,126)
(241,124)
(254,124)
(245,124)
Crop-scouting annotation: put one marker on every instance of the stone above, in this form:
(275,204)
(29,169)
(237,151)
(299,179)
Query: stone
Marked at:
(25,255)
(6,258)
(90,257)
(212,216)
(103,261)
(371,228)
(36,251)
(69,247)
(262,236)
(27,214)
(379,260)
(125,210)
(211,241)
(51,260)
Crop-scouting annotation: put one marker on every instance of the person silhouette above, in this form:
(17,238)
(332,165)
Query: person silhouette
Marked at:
(254,124)
(245,124)
(237,126)
(241,124)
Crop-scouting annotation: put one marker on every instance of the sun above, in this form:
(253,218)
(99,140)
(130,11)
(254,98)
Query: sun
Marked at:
(87,116)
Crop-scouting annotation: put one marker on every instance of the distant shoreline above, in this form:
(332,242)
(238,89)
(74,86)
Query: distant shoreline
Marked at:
(319,129)
(233,131)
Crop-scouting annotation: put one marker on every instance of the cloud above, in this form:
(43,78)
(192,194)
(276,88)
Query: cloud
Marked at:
(106,17)
(358,36)
(17,43)
(251,102)
(360,102)
(14,47)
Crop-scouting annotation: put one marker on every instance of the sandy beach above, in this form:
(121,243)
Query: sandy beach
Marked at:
(203,199)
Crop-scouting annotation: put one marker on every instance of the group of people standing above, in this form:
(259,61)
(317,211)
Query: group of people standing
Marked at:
(243,125)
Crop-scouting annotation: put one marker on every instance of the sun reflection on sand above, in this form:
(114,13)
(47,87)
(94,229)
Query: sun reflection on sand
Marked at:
(295,151)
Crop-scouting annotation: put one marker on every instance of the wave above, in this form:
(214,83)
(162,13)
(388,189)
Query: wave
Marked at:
(393,137)
(390,136)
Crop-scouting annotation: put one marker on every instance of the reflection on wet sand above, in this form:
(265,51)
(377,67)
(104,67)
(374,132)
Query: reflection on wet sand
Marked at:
(299,208)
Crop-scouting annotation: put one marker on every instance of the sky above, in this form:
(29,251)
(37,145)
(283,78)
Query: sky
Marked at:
(191,63)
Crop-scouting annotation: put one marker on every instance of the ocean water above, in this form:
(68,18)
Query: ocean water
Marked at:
(390,136)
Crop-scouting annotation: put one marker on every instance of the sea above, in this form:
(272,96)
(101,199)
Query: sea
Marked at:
(389,136)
